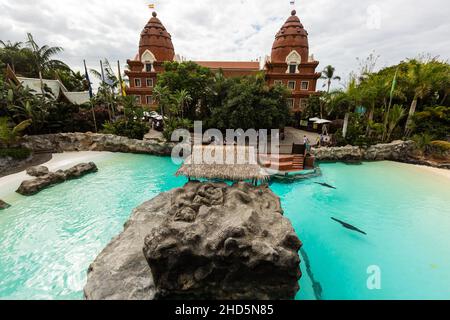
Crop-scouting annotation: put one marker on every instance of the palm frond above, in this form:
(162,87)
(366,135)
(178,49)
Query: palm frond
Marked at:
(21,127)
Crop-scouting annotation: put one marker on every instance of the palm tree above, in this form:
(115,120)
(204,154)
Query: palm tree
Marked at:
(109,83)
(12,50)
(328,74)
(107,75)
(395,115)
(374,90)
(162,97)
(182,97)
(42,58)
(352,97)
(420,77)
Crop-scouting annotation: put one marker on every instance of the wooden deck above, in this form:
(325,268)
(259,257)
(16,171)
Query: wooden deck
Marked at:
(283,163)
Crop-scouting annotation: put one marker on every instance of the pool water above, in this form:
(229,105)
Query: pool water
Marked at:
(47,241)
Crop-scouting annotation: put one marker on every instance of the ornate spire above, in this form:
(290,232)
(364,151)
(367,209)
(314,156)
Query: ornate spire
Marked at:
(156,39)
(292,36)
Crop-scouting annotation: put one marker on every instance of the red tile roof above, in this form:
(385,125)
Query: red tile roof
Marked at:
(242,65)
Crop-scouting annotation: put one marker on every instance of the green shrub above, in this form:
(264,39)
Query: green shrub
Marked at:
(440,149)
(433,120)
(126,128)
(443,145)
(423,142)
(176,123)
(15,153)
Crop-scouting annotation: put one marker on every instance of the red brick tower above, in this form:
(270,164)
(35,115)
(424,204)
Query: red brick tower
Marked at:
(290,63)
(155,47)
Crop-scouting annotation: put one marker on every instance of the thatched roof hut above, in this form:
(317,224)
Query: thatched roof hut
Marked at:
(232,163)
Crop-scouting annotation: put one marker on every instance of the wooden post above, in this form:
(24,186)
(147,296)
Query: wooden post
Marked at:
(120,78)
(90,100)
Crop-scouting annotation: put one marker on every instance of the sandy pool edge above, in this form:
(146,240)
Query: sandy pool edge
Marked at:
(60,161)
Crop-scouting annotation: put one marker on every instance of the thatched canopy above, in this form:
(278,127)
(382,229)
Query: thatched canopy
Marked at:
(233,163)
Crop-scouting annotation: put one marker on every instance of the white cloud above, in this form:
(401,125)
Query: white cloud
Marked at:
(233,29)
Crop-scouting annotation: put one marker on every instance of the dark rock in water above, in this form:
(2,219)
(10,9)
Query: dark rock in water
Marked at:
(31,187)
(38,171)
(80,170)
(202,241)
(4,205)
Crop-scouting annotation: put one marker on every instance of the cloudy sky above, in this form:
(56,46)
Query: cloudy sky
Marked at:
(339,31)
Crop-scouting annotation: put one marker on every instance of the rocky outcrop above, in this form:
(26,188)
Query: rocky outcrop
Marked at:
(396,151)
(202,241)
(4,205)
(66,142)
(38,171)
(6,163)
(338,153)
(31,187)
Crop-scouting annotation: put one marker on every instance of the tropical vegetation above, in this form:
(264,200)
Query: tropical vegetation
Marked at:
(187,92)
(407,100)
(397,102)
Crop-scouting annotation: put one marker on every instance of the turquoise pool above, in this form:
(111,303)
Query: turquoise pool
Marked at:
(47,241)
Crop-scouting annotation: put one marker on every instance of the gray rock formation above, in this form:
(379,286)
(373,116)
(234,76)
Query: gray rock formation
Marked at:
(6,163)
(203,241)
(95,142)
(38,171)
(338,153)
(4,205)
(396,151)
(31,187)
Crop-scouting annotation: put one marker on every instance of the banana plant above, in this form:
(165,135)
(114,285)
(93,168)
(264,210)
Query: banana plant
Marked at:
(9,135)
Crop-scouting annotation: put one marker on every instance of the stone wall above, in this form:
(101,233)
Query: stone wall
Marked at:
(66,142)
(396,151)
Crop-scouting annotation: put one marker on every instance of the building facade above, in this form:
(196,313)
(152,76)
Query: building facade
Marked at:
(290,63)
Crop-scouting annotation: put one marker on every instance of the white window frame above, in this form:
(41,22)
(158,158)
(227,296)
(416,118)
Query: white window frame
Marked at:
(138,99)
(293,58)
(151,67)
(291,103)
(294,82)
(146,82)
(292,65)
(307,86)
(147,58)
(278,82)
(146,100)
(136,83)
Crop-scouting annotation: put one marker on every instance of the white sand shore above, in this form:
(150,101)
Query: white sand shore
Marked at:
(9,184)
(441,172)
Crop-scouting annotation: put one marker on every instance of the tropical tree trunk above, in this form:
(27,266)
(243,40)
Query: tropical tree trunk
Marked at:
(42,82)
(94,118)
(444,98)
(370,119)
(321,109)
(412,110)
(345,129)
(329,86)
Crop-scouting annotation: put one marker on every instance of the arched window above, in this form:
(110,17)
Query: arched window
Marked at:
(293,61)
(148,59)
